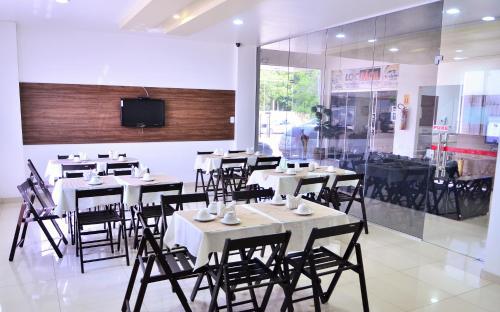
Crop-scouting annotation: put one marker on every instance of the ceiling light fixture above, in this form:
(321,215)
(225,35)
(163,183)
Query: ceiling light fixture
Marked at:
(340,35)
(176,16)
(452,11)
(394,49)
(372,40)
(237,21)
(488,18)
(62,1)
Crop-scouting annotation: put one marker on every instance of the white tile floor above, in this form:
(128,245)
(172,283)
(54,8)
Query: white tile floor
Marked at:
(403,274)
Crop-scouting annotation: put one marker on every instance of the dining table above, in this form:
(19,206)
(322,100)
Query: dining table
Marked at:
(64,192)
(209,162)
(285,183)
(53,171)
(204,238)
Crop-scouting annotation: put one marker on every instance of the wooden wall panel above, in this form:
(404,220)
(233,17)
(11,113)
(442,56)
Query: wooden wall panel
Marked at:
(66,113)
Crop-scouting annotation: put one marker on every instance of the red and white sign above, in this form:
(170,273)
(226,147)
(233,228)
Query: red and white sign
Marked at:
(440,128)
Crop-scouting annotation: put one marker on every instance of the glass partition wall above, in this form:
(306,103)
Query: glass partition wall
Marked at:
(367,97)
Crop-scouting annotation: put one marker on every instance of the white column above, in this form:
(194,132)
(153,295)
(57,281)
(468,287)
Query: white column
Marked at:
(244,130)
(11,142)
(492,254)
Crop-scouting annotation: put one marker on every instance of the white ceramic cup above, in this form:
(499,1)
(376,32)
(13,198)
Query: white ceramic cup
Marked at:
(257,153)
(221,207)
(212,208)
(277,198)
(76,158)
(146,176)
(302,208)
(330,169)
(230,217)
(290,171)
(278,169)
(95,179)
(203,214)
(87,175)
(121,158)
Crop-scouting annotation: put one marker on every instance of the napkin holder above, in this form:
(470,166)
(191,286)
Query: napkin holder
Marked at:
(222,209)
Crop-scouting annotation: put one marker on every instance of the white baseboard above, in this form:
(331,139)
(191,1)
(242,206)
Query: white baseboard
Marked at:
(10,200)
(490,276)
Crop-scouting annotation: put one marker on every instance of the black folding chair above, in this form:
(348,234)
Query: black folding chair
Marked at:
(315,262)
(74,174)
(37,180)
(263,163)
(122,172)
(235,151)
(102,155)
(110,214)
(229,177)
(62,157)
(76,167)
(30,213)
(249,273)
(127,165)
(301,165)
(173,266)
(200,173)
(155,211)
(256,195)
(320,181)
(337,196)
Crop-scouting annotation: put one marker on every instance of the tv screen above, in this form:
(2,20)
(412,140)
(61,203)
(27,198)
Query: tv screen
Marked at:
(493,130)
(143,113)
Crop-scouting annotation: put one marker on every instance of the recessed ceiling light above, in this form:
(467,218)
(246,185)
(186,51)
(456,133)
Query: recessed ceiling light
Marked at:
(237,21)
(459,51)
(459,58)
(452,11)
(488,18)
(176,16)
(62,1)
(372,40)
(394,49)
(340,35)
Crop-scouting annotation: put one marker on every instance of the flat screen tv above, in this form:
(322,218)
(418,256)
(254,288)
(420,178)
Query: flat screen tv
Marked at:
(143,113)
(493,130)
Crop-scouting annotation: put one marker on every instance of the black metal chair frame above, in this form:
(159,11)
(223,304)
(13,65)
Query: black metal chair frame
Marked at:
(252,272)
(323,180)
(231,174)
(125,165)
(337,196)
(256,195)
(315,262)
(60,157)
(76,167)
(110,214)
(200,173)
(29,213)
(235,151)
(173,266)
(301,165)
(158,212)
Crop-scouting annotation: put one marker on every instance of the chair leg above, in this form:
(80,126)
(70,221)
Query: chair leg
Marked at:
(202,182)
(23,234)
(229,297)
(362,281)
(16,236)
(363,210)
(196,181)
(80,247)
(111,243)
(215,293)
(316,287)
(125,242)
(130,286)
(144,284)
(59,231)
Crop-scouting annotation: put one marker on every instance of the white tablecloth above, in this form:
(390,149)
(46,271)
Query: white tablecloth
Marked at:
(286,184)
(65,189)
(203,238)
(53,170)
(210,162)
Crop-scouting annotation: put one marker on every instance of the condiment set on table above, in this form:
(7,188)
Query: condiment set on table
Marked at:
(143,174)
(293,203)
(220,210)
(92,177)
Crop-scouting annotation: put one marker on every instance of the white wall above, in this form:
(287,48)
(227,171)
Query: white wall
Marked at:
(60,56)
(245,96)
(11,151)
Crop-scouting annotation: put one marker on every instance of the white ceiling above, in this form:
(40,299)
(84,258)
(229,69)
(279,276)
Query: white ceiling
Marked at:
(264,21)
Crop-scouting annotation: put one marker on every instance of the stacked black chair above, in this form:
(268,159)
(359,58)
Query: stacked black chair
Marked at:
(199,174)
(320,181)
(337,196)
(107,215)
(249,272)
(174,265)
(155,211)
(230,176)
(29,212)
(316,262)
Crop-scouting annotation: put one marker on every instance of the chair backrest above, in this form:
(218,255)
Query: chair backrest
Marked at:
(350,228)
(102,155)
(342,178)
(37,180)
(235,151)
(122,154)
(310,181)
(122,172)
(263,167)
(62,156)
(160,188)
(273,160)
(204,153)
(76,167)
(301,165)
(26,190)
(256,195)
(242,245)
(112,166)
(233,163)
(167,201)
(99,192)
(74,174)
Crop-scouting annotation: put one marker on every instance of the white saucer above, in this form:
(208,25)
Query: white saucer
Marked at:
(302,213)
(278,204)
(235,222)
(211,218)
(148,180)
(288,173)
(123,160)
(98,183)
